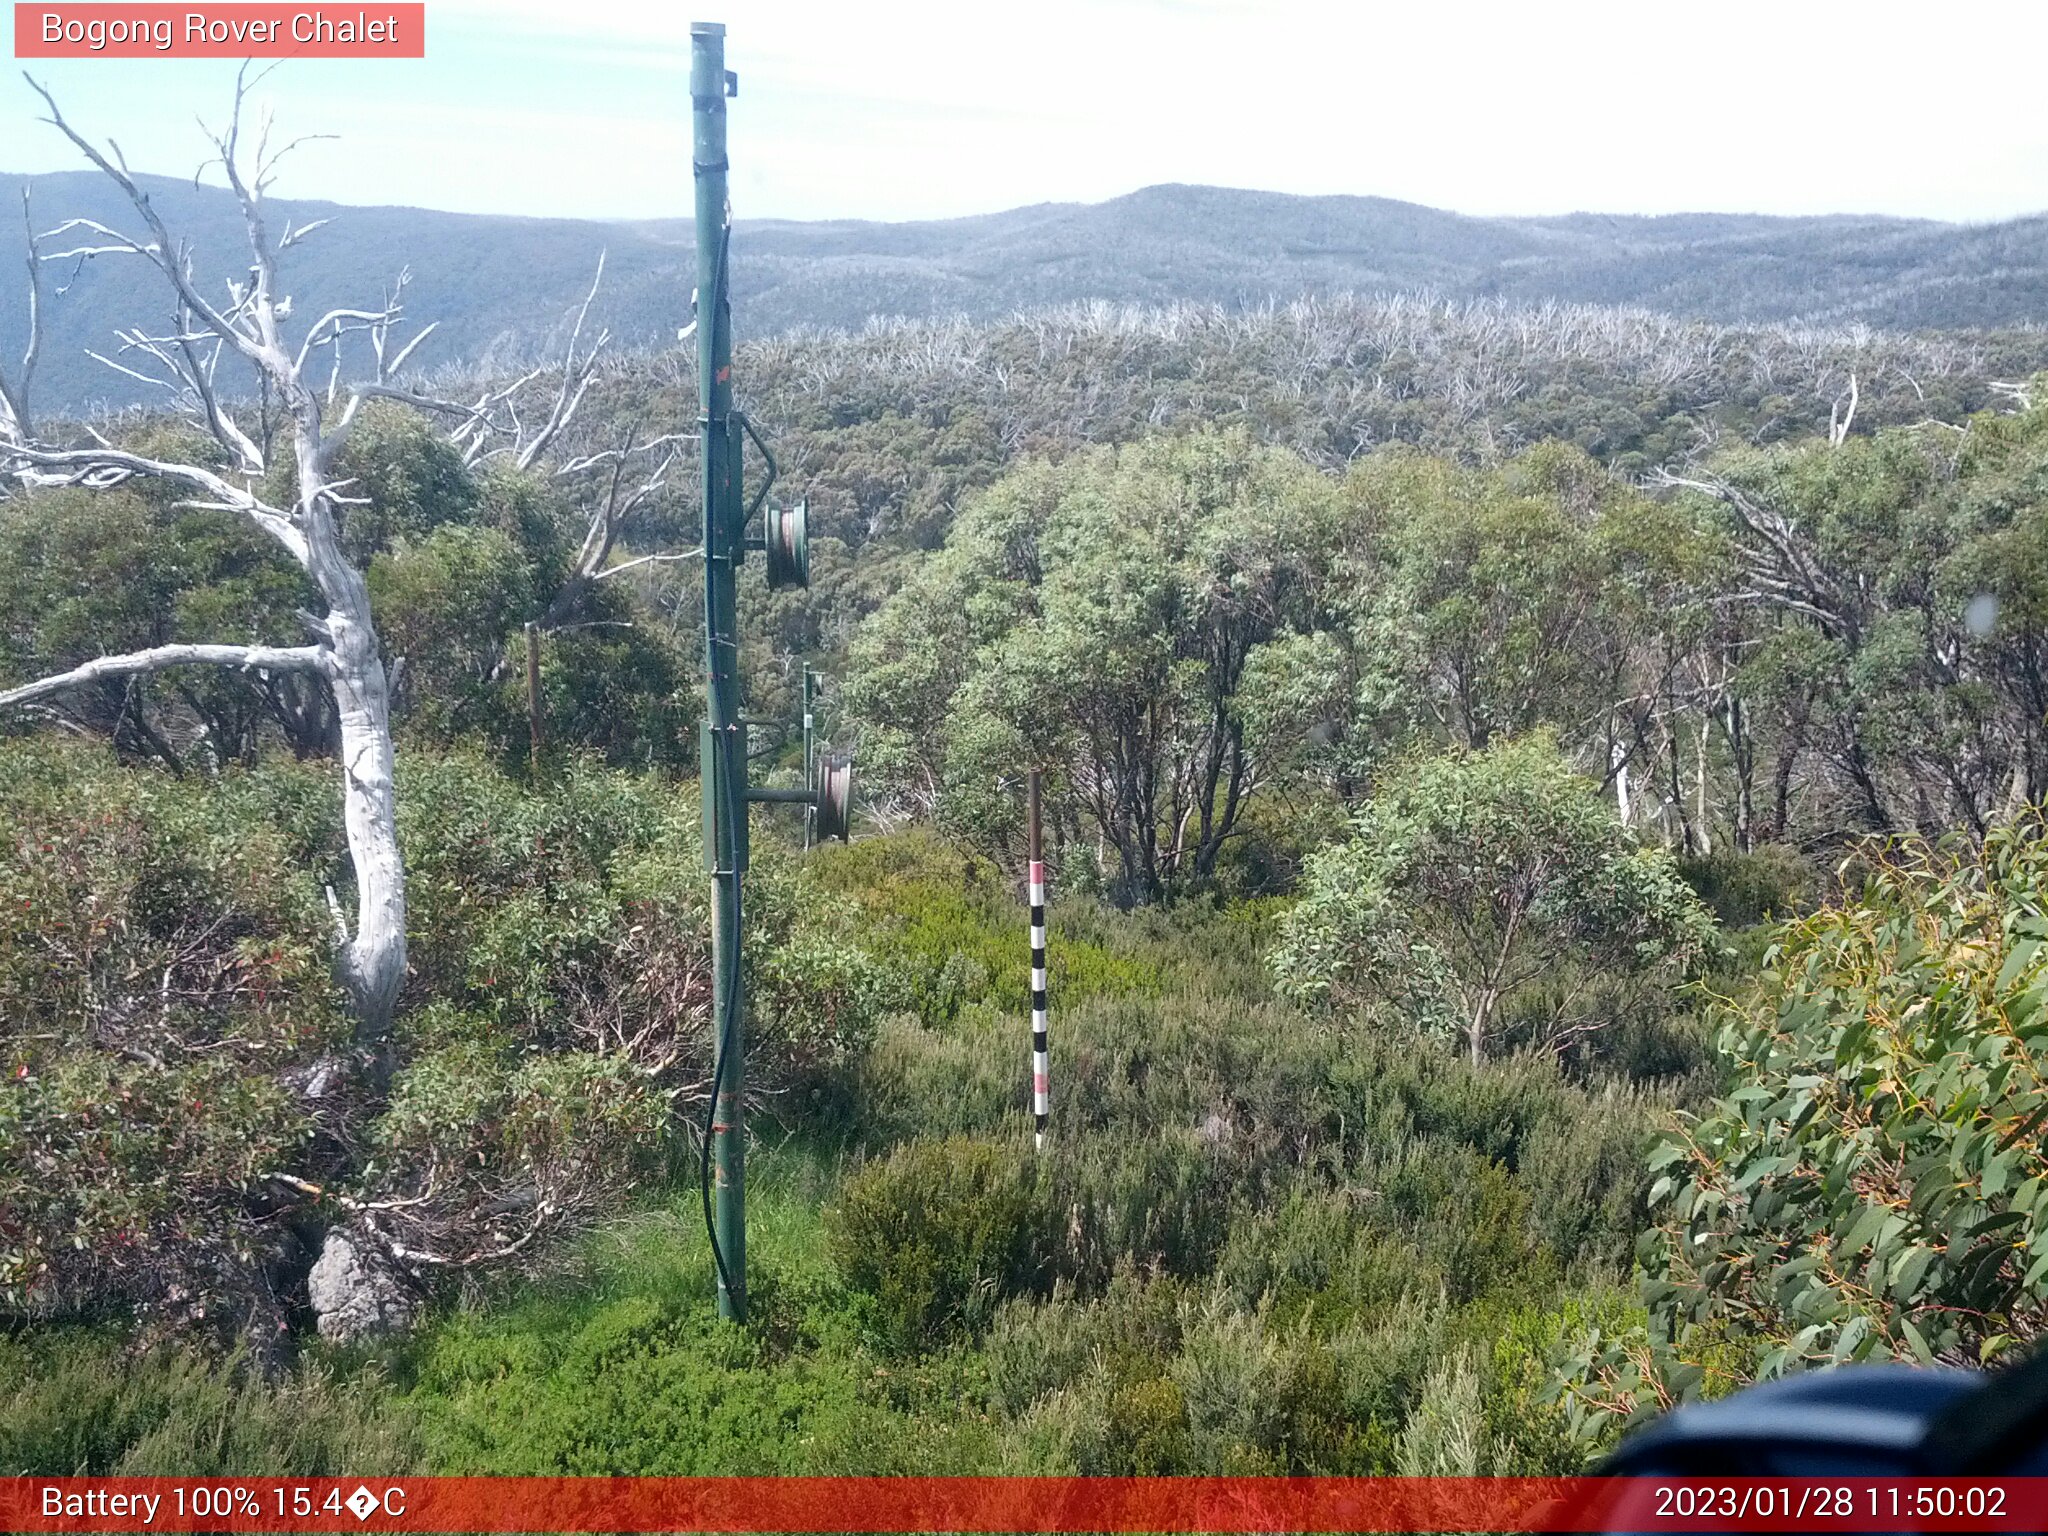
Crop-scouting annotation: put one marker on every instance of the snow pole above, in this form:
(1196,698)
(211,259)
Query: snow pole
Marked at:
(1041,1051)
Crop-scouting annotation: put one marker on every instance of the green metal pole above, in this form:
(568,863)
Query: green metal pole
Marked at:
(723,758)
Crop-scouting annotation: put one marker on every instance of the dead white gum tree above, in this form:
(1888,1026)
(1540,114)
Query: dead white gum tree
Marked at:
(215,347)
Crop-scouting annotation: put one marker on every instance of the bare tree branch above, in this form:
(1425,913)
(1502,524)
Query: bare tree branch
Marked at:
(608,518)
(576,377)
(1782,563)
(626,565)
(263,658)
(1839,420)
(250,345)
(101,468)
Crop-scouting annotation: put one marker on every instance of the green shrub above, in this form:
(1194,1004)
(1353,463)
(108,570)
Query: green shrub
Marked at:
(1317,1262)
(88,1403)
(1382,1364)
(1569,1151)
(448,601)
(1313,1430)
(166,1003)
(1173,1127)
(1145,1426)
(1162,1203)
(1769,883)
(1470,1215)
(1583,1174)
(579,909)
(618,1364)
(639,1387)
(1380,1093)
(966,1079)
(1229,1371)
(1527,1423)
(163,968)
(1035,1348)
(89,573)
(562,949)
(1445,1435)
(956,934)
(1156,1377)
(937,1234)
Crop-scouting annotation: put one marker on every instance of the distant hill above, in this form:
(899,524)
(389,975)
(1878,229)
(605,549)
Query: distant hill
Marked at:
(499,285)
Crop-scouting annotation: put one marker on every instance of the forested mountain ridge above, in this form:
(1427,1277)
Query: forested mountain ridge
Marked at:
(493,282)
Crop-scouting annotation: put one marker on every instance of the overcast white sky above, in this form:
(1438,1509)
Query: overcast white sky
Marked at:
(896,109)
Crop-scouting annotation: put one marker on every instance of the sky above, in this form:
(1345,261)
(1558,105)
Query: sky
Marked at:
(907,109)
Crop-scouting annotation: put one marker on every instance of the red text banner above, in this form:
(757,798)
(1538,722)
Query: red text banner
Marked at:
(994,1504)
(237,31)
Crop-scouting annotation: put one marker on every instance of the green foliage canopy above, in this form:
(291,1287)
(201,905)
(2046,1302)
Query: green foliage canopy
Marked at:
(1097,617)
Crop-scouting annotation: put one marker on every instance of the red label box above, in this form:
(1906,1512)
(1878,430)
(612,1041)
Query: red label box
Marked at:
(262,30)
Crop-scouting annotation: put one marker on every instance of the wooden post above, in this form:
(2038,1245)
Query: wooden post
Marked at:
(533,697)
(810,761)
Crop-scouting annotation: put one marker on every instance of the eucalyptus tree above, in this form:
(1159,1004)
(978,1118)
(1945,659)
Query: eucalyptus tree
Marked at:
(1099,617)
(1867,1187)
(1472,879)
(1457,605)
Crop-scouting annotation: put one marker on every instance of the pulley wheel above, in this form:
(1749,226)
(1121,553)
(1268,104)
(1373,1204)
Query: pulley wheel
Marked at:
(788,540)
(834,796)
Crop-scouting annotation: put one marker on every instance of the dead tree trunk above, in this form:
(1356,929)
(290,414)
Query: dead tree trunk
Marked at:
(344,656)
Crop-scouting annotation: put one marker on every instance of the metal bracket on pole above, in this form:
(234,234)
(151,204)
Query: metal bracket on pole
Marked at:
(768,458)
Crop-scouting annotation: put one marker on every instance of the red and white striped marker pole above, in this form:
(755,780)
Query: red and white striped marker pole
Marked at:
(1041,1054)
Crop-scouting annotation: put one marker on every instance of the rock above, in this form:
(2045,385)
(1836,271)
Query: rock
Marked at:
(356,1292)
(315,1080)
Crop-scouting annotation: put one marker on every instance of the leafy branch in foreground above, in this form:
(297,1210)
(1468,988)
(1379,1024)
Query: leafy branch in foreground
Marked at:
(1874,1186)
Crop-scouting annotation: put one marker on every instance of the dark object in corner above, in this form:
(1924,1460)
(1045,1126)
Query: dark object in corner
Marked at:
(1861,1421)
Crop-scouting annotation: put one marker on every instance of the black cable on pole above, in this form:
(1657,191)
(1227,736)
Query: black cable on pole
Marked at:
(723,1046)
(724,1049)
